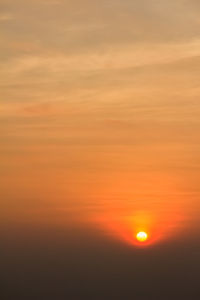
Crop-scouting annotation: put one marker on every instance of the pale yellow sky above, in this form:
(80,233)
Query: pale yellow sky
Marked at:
(99,106)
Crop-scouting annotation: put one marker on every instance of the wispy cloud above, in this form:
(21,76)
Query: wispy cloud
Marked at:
(125,57)
(4,17)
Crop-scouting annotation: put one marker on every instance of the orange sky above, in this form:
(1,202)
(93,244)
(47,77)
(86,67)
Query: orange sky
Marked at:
(100,113)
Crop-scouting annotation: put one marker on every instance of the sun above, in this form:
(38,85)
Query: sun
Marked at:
(142,236)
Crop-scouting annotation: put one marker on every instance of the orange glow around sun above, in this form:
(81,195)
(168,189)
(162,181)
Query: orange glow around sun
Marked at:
(141,229)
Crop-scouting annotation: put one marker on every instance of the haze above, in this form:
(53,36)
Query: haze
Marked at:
(99,141)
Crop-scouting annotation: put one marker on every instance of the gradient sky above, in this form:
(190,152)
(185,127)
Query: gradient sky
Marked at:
(100,114)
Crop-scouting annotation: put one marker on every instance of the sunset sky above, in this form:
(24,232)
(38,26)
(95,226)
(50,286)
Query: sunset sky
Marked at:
(100,118)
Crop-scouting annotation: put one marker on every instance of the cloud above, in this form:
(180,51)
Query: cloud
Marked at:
(124,57)
(4,17)
(79,26)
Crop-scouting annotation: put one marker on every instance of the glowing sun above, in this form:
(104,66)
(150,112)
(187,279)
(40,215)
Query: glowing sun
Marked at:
(142,236)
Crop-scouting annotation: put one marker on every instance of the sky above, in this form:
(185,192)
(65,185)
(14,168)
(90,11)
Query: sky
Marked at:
(99,139)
